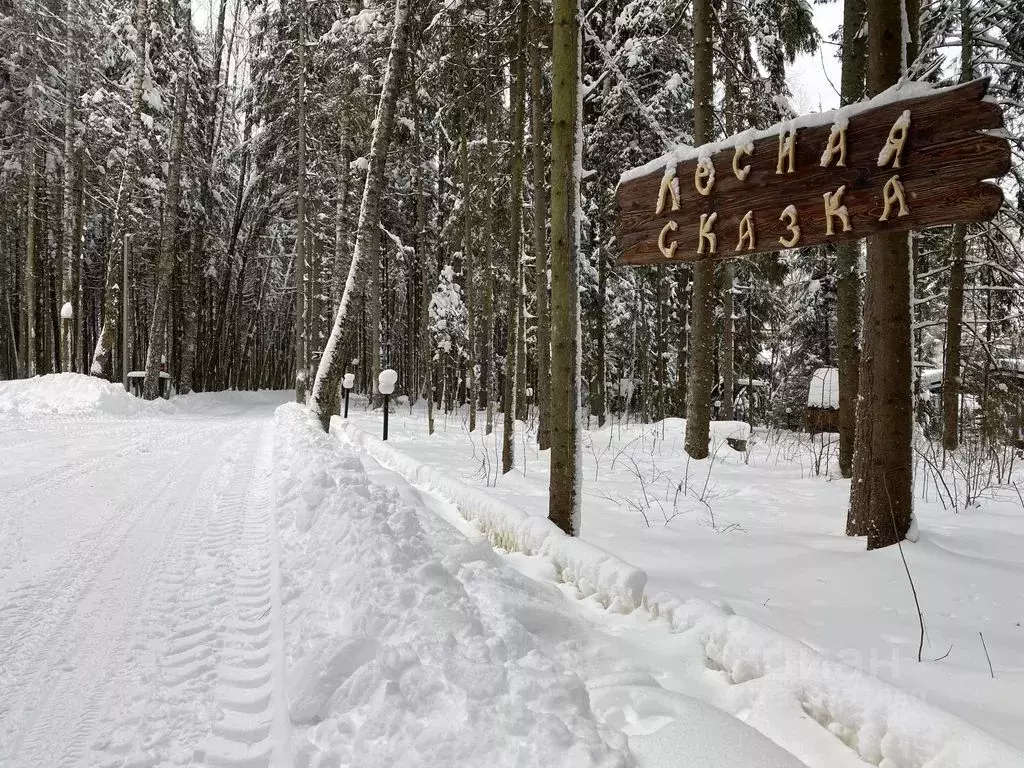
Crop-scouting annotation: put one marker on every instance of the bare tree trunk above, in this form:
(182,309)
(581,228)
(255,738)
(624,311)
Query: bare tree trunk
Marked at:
(468,266)
(848,256)
(540,253)
(728,357)
(341,203)
(727,274)
(488,372)
(68,213)
(887,320)
(324,401)
(566,149)
(300,221)
(955,305)
(372,299)
(31,279)
(522,370)
(599,404)
(101,356)
(151,386)
(81,326)
(514,314)
(682,343)
(951,379)
(702,319)
(426,263)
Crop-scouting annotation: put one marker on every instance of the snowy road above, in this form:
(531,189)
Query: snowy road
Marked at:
(139,618)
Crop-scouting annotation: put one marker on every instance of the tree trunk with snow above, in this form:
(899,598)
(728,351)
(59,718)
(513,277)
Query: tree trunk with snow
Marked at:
(324,400)
(113,291)
(300,220)
(157,329)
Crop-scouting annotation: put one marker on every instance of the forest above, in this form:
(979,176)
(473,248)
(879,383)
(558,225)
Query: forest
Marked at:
(267,194)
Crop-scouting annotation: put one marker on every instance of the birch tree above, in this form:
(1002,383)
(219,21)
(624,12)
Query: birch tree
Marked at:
(324,401)
(168,231)
(113,292)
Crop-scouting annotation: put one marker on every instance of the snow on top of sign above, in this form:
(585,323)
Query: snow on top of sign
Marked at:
(841,116)
(823,391)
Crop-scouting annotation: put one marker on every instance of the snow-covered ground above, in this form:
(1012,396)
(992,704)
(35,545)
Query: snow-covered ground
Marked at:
(137,611)
(764,532)
(214,581)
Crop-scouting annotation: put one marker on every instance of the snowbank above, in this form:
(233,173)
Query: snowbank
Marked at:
(66,394)
(596,573)
(881,723)
(393,660)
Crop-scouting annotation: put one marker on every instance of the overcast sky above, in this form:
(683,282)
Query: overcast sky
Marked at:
(810,76)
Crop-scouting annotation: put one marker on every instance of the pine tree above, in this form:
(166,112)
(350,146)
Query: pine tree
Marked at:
(701,359)
(563,494)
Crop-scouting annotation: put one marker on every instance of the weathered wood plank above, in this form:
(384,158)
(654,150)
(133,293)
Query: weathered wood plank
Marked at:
(942,162)
(963,162)
(976,203)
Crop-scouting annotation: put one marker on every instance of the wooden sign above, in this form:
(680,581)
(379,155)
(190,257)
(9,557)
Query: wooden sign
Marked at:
(880,166)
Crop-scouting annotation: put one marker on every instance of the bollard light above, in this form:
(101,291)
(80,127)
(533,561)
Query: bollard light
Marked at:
(348,383)
(386,385)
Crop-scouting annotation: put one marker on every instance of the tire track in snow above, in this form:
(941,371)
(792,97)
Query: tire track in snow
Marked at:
(28,503)
(209,689)
(79,564)
(85,459)
(251,730)
(89,613)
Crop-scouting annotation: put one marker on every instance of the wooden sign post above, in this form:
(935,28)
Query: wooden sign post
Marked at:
(892,164)
(909,159)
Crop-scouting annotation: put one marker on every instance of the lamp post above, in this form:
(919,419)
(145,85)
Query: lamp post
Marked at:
(348,383)
(386,385)
(67,318)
